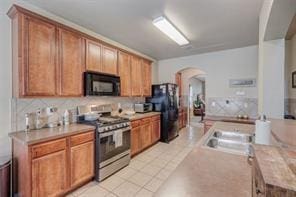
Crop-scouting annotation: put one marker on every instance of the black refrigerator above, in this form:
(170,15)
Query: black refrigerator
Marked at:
(165,100)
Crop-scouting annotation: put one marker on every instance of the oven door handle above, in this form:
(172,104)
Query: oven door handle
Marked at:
(112,132)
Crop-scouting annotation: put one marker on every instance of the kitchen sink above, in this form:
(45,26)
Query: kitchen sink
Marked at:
(232,142)
(230,146)
(235,136)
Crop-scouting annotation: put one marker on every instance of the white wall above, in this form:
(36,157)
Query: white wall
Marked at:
(271,74)
(219,67)
(290,67)
(196,85)
(186,75)
(5,76)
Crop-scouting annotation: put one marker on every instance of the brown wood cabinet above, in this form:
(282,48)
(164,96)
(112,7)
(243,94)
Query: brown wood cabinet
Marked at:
(258,186)
(49,59)
(109,60)
(124,68)
(146,80)
(182,118)
(93,56)
(38,63)
(155,133)
(136,76)
(55,167)
(71,47)
(49,174)
(135,139)
(144,133)
(261,189)
(82,163)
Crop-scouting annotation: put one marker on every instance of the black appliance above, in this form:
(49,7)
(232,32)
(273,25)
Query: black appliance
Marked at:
(113,143)
(165,100)
(98,84)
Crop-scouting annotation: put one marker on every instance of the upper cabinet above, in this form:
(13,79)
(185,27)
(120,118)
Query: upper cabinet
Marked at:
(146,70)
(109,60)
(124,70)
(136,76)
(49,59)
(38,60)
(100,58)
(71,54)
(93,56)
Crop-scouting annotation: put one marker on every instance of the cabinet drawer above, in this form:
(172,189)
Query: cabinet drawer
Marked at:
(82,138)
(135,123)
(48,147)
(157,117)
(145,120)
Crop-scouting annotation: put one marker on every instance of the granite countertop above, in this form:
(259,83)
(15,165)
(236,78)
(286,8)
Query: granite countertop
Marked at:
(277,166)
(284,131)
(208,172)
(138,116)
(36,136)
(230,119)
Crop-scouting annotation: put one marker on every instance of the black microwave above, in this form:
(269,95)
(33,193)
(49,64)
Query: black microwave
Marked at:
(98,84)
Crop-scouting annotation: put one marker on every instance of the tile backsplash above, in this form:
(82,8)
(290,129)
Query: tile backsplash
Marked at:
(232,106)
(22,106)
(218,106)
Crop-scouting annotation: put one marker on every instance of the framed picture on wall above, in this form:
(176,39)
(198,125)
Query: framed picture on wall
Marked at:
(294,79)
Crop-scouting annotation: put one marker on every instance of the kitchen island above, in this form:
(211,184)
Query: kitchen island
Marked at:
(209,172)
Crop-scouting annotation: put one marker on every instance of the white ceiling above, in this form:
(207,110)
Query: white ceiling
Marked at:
(210,25)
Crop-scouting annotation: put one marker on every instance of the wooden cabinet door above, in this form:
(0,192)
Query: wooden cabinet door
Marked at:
(49,175)
(124,69)
(40,65)
(136,76)
(155,134)
(146,135)
(71,63)
(135,140)
(109,60)
(180,119)
(178,79)
(146,71)
(93,56)
(82,163)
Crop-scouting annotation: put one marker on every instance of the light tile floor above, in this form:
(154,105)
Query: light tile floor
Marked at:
(147,171)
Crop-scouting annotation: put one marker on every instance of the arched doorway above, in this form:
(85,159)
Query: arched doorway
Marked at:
(191,82)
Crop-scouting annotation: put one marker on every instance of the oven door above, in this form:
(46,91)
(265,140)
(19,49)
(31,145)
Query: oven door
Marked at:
(97,84)
(109,151)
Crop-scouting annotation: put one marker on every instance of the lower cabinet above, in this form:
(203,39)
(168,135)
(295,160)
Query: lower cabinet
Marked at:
(82,163)
(155,133)
(55,167)
(182,119)
(135,140)
(49,174)
(144,133)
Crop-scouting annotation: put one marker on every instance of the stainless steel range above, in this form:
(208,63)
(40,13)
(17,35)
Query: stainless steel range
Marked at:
(112,142)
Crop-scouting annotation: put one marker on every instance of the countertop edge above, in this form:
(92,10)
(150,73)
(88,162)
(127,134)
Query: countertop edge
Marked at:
(57,136)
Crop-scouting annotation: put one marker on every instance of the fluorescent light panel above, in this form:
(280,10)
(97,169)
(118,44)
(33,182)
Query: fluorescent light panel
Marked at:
(167,28)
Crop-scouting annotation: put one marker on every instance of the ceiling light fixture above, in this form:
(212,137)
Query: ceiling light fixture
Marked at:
(167,28)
